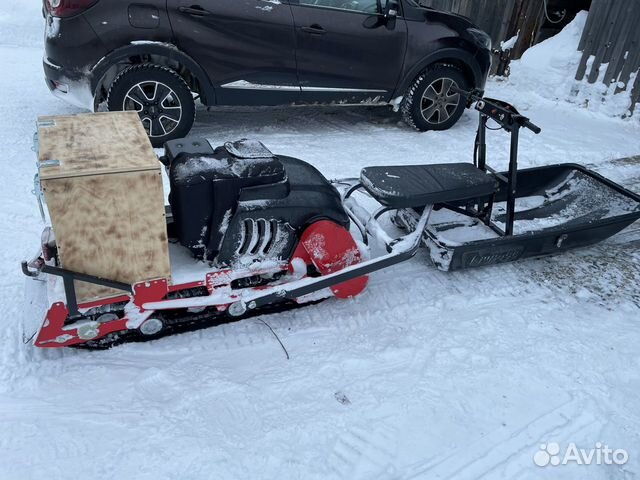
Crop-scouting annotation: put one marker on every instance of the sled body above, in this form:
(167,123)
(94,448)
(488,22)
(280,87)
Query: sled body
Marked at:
(251,232)
(558,208)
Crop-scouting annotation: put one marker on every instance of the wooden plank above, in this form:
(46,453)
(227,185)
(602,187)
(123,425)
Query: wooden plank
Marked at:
(91,144)
(594,37)
(620,9)
(505,22)
(624,29)
(112,226)
(512,26)
(474,11)
(531,17)
(632,62)
(594,15)
(590,39)
(635,93)
(492,13)
(614,13)
(457,6)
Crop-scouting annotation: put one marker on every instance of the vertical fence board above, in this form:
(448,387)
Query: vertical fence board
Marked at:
(529,23)
(597,6)
(635,94)
(591,34)
(612,37)
(617,57)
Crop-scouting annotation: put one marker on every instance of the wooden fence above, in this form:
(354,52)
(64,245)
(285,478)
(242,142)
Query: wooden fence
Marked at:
(610,46)
(502,19)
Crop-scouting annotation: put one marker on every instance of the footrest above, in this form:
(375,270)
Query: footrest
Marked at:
(419,185)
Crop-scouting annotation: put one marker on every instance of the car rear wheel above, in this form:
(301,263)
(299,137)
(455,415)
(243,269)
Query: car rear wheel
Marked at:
(430,103)
(161,98)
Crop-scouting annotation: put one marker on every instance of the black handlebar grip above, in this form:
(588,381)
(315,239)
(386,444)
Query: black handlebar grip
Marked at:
(532,126)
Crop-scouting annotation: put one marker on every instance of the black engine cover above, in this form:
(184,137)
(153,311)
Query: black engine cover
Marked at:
(241,203)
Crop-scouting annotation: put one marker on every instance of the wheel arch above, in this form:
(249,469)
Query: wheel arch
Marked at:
(457,57)
(164,54)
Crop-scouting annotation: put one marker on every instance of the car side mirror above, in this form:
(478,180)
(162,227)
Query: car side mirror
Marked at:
(391,9)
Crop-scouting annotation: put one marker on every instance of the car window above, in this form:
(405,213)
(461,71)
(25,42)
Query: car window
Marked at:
(367,6)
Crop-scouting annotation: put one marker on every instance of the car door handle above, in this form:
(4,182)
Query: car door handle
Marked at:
(314,29)
(195,10)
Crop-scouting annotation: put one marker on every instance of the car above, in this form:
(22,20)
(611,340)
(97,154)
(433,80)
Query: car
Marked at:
(158,57)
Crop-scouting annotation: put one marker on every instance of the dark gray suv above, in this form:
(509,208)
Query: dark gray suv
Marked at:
(157,57)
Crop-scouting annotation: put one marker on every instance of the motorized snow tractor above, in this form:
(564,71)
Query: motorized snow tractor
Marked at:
(248,232)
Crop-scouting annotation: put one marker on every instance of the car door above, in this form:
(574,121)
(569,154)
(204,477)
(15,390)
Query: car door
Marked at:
(247,47)
(346,50)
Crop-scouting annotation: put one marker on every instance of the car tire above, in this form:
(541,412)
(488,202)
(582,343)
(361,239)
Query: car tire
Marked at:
(160,96)
(429,104)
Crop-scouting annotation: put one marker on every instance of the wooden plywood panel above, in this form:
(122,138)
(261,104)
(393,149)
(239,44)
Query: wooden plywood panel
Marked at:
(93,144)
(112,226)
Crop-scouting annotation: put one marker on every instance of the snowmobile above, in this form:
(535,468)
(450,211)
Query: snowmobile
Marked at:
(252,232)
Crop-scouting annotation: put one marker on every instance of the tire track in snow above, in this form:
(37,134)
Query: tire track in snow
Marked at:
(365,452)
(500,452)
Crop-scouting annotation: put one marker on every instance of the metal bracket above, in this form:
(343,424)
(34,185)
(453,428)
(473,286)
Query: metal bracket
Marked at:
(46,123)
(37,191)
(36,144)
(49,163)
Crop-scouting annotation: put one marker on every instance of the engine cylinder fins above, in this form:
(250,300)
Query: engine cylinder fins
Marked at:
(260,237)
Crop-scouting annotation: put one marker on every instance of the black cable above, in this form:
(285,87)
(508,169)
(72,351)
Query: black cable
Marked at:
(28,340)
(546,14)
(277,338)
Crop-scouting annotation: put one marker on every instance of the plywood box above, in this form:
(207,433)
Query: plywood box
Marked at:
(102,184)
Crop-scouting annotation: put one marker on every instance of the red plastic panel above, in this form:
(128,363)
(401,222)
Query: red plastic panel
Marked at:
(331,248)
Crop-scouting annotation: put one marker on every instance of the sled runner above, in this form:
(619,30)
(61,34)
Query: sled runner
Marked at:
(249,232)
(530,212)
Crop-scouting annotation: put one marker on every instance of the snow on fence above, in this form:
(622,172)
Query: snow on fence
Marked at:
(610,47)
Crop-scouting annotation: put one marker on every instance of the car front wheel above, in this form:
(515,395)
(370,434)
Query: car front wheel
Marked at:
(161,98)
(430,103)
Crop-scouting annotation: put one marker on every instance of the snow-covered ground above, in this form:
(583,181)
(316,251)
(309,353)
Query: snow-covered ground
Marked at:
(427,375)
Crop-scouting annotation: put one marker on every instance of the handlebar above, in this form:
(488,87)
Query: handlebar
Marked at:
(531,126)
(502,112)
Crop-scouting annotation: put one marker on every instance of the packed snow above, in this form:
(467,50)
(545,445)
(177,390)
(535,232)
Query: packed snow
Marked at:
(550,69)
(426,375)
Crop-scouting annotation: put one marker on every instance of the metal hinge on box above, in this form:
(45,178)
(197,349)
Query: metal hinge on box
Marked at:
(37,191)
(36,139)
(48,163)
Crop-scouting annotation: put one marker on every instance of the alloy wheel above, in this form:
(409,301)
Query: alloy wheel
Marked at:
(157,104)
(438,103)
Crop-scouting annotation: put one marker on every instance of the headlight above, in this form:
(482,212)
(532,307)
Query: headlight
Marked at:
(481,38)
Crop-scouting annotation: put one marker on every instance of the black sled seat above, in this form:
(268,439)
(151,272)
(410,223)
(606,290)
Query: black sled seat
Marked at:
(414,186)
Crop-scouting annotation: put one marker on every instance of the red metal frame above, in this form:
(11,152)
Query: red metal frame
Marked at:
(326,245)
